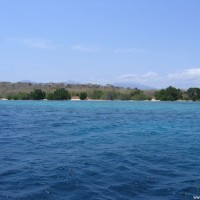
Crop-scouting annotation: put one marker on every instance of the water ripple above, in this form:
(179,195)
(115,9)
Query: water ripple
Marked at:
(99,150)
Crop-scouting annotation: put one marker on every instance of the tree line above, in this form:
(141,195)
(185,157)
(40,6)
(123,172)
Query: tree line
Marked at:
(63,94)
(174,94)
(168,94)
(38,94)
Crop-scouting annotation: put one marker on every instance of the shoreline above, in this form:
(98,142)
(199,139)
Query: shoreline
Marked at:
(99,100)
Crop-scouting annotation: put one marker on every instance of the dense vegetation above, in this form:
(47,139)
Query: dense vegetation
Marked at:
(174,94)
(61,91)
(169,94)
(36,94)
(59,94)
(83,95)
(194,94)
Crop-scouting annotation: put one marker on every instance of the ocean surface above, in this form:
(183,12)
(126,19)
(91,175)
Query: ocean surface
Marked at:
(99,150)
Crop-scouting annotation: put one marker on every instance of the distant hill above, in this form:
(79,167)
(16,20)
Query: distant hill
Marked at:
(26,87)
(8,88)
(26,81)
(133,86)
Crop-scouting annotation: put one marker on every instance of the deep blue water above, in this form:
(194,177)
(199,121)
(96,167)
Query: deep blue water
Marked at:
(107,150)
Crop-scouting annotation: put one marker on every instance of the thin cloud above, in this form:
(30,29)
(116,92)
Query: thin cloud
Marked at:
(187,75)
(183,79)
(128,77)
(150,75)
(140,78)
(86,48)
(38,43)
(129,50)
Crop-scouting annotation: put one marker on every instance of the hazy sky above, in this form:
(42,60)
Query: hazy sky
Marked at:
(150,42)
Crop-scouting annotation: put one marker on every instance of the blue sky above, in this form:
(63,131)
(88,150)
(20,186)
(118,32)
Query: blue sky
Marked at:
(150,42)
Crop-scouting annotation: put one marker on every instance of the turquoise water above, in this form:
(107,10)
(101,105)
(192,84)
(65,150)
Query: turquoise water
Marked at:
(112,150)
